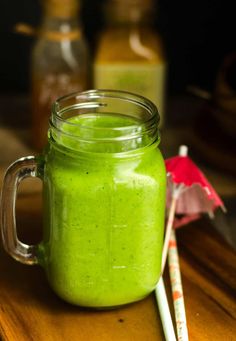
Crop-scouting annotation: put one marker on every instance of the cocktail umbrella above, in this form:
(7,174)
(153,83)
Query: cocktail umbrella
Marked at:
(189,194)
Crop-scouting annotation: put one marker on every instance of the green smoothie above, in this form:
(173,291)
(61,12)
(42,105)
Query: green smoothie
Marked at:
(103,214)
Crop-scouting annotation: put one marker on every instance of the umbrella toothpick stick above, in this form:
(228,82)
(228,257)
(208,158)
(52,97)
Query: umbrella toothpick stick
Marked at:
(169,225)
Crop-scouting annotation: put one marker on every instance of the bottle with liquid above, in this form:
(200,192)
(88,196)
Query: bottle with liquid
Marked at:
(130,54)
(59,62)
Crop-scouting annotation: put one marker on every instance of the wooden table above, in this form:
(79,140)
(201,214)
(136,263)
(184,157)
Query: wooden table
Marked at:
(29,310)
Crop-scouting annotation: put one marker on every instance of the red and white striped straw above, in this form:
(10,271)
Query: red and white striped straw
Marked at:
(177,289)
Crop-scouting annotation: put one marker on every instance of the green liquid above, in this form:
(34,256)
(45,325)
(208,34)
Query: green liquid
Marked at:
(103,222)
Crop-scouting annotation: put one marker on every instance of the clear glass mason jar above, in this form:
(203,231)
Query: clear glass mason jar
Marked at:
(104,185)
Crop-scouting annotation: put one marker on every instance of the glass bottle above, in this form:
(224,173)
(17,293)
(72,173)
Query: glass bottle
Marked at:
(59,62)
(130,54)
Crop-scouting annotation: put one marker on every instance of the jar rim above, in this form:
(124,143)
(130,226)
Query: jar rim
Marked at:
(106,93)
(142,113)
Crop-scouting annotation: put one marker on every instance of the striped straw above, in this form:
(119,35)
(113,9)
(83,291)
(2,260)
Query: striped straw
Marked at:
(177,289)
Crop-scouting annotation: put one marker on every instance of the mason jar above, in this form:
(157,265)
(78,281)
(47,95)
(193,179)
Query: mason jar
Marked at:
(104,185)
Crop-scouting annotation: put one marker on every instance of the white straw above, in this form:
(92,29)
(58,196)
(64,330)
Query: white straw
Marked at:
(164,310)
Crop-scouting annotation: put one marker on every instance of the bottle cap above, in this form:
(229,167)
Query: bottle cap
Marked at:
(61,8)
(131,10)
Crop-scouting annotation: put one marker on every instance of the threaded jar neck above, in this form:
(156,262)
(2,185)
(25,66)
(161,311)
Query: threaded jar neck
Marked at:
(104,121)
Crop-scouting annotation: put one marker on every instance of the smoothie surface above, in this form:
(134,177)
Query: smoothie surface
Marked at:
(103,133)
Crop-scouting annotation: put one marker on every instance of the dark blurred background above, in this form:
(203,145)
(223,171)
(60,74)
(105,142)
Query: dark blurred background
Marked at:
(198,34)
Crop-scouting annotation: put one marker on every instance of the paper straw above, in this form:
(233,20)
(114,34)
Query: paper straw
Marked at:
(177,289)
(164,310)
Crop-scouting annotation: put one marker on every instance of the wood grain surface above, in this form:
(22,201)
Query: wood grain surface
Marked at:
(30,311)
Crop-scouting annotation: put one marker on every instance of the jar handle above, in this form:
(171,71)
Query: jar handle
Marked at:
(18,171)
